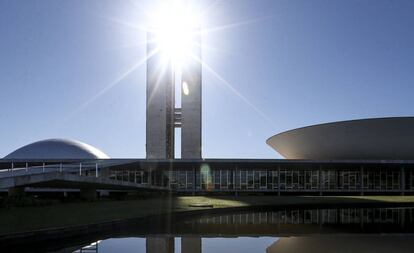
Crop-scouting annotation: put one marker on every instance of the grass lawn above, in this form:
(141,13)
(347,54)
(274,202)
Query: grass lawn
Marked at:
(23,219)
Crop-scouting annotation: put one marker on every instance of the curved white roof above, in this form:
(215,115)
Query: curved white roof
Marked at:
(57,149)
(370,139)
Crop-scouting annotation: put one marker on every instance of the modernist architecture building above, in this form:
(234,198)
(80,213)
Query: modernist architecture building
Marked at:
(350,157)
(57,149)
(366,139)
(162,114)
(348,165)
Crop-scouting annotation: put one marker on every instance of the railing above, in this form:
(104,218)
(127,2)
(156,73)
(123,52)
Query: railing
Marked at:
(82,169)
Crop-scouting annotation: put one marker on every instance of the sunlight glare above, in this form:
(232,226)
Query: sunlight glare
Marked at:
(186,90)
(175,26)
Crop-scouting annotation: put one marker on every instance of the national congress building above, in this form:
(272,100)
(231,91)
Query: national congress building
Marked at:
(367,156)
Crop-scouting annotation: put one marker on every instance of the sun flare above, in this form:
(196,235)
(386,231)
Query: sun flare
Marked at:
(175,27)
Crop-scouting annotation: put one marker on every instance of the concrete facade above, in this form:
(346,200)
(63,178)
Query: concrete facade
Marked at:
(162,115)
(57,149)
(191,99)
(160,104)
(389,138)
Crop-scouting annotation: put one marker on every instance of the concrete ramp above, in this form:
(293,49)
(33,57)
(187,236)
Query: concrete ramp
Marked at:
(66,180)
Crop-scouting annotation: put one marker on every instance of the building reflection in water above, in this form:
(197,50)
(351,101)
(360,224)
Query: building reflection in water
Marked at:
(92,248)
(338,221)
(160,244)
(157,244)
(314,216)
(339,244)
(191,245)
(166,245)
(309,244)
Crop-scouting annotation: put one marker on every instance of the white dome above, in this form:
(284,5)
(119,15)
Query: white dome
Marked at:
(57,149)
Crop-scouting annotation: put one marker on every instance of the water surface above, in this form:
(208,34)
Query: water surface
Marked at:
(349,229)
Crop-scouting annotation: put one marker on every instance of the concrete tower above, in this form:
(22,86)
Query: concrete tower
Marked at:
(162,116)
(160,104)
(191,104)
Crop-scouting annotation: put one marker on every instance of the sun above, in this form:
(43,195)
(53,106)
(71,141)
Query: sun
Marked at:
(175,27)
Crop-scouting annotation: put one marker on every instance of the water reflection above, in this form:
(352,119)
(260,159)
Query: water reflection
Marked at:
(302,221)
(182,245)
(292,230)
(337,244)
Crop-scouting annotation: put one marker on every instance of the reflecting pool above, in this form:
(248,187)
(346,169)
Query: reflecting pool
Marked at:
(296,244)
(350,229)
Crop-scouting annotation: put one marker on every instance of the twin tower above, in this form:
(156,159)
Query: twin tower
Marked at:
(164,113)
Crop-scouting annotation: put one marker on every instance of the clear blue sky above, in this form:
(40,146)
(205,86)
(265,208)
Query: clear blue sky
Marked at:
(297,62)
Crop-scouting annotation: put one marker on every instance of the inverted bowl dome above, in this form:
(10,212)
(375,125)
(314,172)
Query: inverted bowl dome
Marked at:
(57,149)
(370,139)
